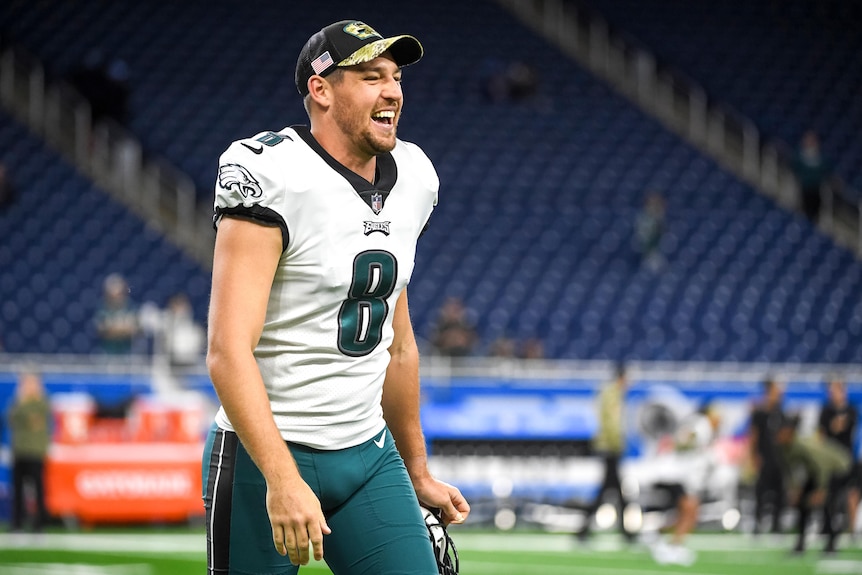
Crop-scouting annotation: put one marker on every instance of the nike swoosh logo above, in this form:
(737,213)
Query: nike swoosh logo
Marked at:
(379,442)
(253,149)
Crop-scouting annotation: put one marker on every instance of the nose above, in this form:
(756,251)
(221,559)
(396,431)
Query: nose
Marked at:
(392,89)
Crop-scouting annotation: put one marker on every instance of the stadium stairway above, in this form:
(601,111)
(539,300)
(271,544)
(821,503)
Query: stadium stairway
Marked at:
(718,126)
(788,66)
(60,238)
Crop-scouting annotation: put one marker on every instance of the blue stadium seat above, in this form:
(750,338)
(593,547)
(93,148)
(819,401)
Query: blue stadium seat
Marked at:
(537,202)
(789,66)
(61,238)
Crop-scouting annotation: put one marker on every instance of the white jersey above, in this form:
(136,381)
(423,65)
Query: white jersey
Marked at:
(693,460)
(348,252)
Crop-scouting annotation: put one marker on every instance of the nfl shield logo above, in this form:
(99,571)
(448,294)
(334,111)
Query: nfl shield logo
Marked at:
(376,202)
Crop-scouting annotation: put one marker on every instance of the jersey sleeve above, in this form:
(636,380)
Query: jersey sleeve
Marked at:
(249,186)
(426,172)
(695,434)
(423,167)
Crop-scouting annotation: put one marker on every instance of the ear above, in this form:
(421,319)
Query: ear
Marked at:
(320,91)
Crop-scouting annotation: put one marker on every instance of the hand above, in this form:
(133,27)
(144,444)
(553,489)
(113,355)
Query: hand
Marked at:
(817,498)
(297,519)
(838,424)
(792,497)
(756,461)
(447,498)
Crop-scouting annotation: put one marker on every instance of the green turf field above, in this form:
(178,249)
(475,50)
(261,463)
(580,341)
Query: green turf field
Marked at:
(181,552)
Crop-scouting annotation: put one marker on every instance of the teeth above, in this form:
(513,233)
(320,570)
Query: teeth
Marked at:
(384,114)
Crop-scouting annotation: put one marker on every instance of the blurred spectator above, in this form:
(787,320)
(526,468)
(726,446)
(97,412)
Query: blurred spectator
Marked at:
(502,347)
(649,229)
(454,334)
(812,172)
(185,339)
(8,193)
(838,421)
(502,81)
(533,348)
(609,442)
(29,418)
(117,318)
(523,81)
(104,83)
(766,419)
(693,461)
(813,466)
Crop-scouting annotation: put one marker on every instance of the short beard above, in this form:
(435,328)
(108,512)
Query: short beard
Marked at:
(356,128)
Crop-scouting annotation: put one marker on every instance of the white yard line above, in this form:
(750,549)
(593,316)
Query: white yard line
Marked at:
(836,566)
(526,542)
(490,566)
(609,542)
(121,543)
(78,569)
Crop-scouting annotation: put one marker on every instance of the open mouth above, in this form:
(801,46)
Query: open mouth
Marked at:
(384,118)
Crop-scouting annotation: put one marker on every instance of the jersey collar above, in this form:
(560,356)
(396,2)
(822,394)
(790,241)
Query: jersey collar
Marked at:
(386,174)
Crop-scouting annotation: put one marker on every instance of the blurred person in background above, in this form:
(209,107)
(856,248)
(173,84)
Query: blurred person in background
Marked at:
(116,319)
(185,338)
(502,347)
(8,192)
(766,419)
(609,442)
(104,81)
(813,467)
(533,348)
(504,81)
(29,424)
(686,472)
(812,173)
(649,229)
(454,335)
(838,421)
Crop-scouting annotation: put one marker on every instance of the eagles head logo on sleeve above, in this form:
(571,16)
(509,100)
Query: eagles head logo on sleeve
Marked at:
(236,178)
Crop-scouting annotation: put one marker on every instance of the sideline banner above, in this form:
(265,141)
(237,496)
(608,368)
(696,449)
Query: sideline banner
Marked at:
(124,482)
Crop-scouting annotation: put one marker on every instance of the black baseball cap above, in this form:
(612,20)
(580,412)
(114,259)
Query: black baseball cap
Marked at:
(348,43)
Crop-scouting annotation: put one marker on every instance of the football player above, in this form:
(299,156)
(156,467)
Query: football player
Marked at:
(311,350)
(838,420)
(815,467)
(685,472)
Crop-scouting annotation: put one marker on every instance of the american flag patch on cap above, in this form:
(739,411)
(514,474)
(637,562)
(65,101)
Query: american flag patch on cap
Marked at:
(322,62)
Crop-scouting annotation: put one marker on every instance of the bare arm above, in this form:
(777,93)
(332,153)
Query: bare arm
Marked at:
(245,260)
(401,411)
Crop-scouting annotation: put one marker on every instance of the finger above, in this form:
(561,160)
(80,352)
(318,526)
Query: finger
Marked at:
(290,544)
(451,514)
(457,509)
(278,540)
(460,503)
(316,536)
(302,546)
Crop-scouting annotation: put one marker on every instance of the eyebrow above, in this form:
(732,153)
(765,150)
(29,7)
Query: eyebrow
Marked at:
(369,67)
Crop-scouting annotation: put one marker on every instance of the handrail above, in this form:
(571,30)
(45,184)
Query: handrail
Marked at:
(108,153)
(439,370)
(682,105)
